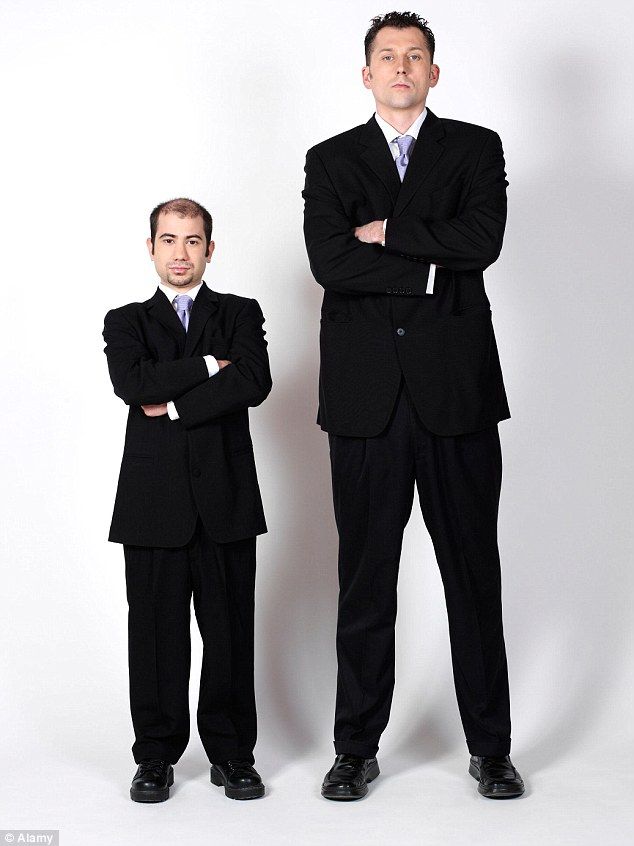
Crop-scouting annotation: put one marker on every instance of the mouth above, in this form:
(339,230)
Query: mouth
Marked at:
(179,270)
(401,85)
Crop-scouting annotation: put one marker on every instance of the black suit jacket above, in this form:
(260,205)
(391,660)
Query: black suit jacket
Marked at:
(377,323)
(173,470)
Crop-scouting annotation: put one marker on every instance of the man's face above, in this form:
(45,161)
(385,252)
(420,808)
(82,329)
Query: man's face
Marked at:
(400,72)
(179,253)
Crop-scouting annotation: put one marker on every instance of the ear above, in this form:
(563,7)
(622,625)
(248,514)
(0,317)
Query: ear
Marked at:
(150,248)
(210,251)
(366,76)
(434,75)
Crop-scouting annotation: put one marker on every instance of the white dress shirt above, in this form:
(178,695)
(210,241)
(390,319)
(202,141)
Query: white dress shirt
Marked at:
(212,365)
(391,134)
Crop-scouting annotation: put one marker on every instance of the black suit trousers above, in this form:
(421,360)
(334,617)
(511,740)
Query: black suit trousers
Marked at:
(458,480)
(160,584)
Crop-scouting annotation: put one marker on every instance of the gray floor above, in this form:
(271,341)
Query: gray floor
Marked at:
(576,800)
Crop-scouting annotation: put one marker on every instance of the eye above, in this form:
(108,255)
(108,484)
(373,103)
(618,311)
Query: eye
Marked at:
(167,240)
(385,58)
(414,56)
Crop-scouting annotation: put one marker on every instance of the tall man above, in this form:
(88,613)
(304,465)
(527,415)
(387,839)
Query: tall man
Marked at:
(402,216)
(189,362)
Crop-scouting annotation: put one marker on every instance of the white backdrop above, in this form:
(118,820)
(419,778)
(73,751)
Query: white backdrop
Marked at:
(110,108)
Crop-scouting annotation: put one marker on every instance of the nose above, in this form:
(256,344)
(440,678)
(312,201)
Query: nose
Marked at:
(180,251)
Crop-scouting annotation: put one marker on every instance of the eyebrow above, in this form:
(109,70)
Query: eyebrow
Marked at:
(389,49)
(187,237)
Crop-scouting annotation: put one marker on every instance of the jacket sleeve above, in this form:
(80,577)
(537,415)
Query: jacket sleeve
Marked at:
(473,239)
(339,261)
(136,377)
(243,383)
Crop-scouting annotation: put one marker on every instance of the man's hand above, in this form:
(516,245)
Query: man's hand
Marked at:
(371,233)
(160,409)
(155,410)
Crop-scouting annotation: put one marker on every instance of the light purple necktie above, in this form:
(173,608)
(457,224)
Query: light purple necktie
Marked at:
(404,143)
(183,305)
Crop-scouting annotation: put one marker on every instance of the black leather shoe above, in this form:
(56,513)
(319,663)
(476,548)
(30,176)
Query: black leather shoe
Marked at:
(239,778)
(152,781)
(349,777)
(497,777)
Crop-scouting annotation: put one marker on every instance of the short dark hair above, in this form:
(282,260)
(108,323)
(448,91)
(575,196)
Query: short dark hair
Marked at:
(183,207)
(399,20)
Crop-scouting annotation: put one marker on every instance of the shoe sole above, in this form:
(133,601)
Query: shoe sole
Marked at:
(160,795)
(495,791)
(236,792)
(346,795)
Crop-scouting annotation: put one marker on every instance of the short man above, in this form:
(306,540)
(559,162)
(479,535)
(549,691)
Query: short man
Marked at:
(189,362)
(402,215)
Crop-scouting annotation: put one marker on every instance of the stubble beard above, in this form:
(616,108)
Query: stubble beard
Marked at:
(180,281)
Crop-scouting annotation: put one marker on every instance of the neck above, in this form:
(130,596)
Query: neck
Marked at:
(400,119)
(180,289)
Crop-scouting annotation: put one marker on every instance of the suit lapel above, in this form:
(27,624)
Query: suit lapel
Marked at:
(378,157)
(204,306)
(162,310)
(427,150)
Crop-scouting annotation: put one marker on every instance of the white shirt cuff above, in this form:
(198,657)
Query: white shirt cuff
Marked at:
(384,225)
(212,365)
(430,279)
(212,368)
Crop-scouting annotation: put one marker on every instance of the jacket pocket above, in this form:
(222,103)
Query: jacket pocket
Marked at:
(477,308)
(337,317)
(138,456)
(243,450)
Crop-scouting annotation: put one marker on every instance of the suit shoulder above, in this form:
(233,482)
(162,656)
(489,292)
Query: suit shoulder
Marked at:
(467,131)
(235,302)
(338,142)
(126,312)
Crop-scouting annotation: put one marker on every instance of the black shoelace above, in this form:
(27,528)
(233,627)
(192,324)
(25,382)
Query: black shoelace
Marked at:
(151,764)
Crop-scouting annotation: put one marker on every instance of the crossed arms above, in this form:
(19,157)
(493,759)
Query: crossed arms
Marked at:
(138,379)
(342,259)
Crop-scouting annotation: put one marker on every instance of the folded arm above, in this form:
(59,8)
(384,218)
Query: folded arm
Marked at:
(473,239)
(338,260)
(244,382)
(136,377)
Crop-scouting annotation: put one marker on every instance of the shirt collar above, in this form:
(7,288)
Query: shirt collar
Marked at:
(391,133)
(170,293)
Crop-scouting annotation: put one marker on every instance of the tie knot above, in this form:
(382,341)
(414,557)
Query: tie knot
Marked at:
(404,143)
(182,302)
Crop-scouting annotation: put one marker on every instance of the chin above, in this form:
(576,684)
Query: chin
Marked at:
(401,103)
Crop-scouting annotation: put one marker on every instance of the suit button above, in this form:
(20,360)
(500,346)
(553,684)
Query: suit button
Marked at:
(408,290)
(388,290)
(196,473)
(400,331)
